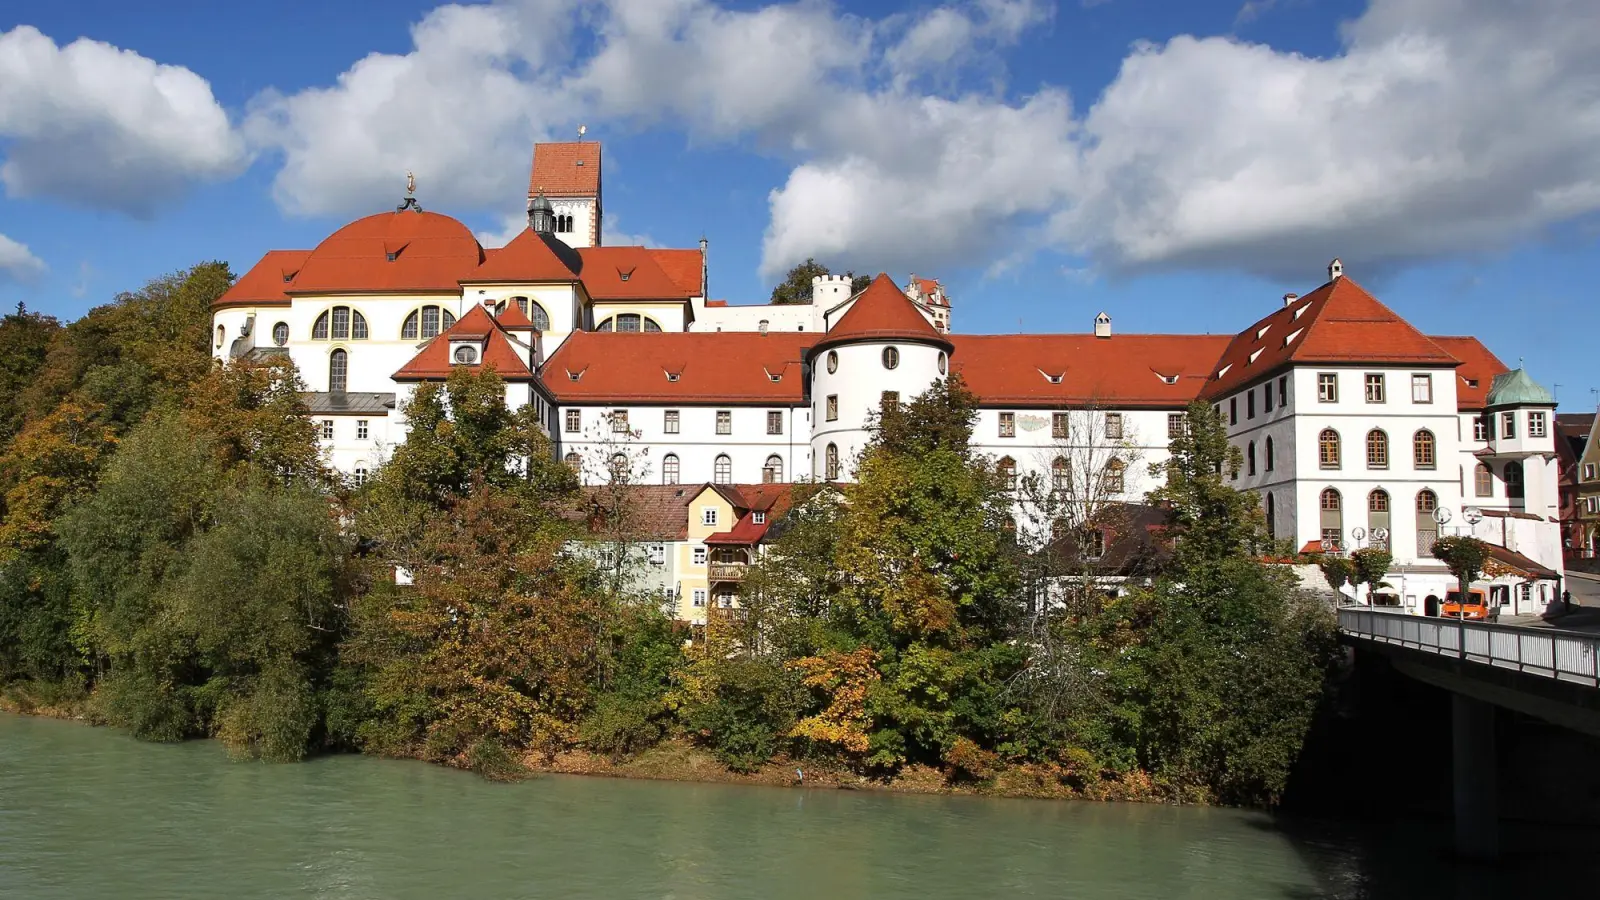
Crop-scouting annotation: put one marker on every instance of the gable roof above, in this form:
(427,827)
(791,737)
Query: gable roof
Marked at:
(1477,371)
(431,252)
(628,273)
(711,367)
(566,169)
(883,311)
(1338,323)
(683,267)
(433,362)
(267,283)
(512,318)
(530,256)
(1149,370)
(660,512)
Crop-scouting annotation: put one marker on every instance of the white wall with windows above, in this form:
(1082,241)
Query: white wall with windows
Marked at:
(728,444)
(848,384)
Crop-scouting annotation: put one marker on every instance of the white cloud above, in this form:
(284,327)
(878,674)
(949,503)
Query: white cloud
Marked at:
(948,38)
(107,128)
(17,262)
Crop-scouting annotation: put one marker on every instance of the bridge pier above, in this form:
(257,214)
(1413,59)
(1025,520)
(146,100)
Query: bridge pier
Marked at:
(1474,777)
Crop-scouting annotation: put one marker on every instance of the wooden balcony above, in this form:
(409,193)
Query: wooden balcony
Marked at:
(726,571)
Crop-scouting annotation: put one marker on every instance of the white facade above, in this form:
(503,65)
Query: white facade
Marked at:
(688,444)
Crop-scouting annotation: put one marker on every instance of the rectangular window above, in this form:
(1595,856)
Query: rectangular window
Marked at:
(1588,471)
(1114,426)
(361,429)
(1535,424)
(1327,387)
(1250,405)
(699,597)
(1508,426)
(1483,481)
(1593,503)
(1233,410)
(658,554)
(341,322)
(699,556)
(833,407)
(574,421)
(669,423)
(327,429)
(1177,424)
(1283,391)
(1266,397)
(774,422)
(1059,427)
(1480,428)
(1008,424)
(1375,392)
(758,517)
(1421,388)
(724,421)
(619,421)
(708,516)
(1094,544)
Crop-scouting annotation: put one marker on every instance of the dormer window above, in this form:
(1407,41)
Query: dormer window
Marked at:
(1262,331)
(759,518)
(624,274)
(391,256)
(674,376)
(1253,355)
(574,376)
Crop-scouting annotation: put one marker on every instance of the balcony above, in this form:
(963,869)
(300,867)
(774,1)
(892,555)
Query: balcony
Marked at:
(727,571)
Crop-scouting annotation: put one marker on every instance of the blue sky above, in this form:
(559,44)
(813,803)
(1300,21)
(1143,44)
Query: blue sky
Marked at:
(1180,165)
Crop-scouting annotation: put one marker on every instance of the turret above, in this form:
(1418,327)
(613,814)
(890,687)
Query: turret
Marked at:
(541,214)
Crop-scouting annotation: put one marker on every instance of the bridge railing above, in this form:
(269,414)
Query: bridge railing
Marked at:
(1548,652)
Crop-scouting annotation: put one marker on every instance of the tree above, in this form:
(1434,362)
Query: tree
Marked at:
(24,341)
(1370,564)
(796,286)
(1465,557)
(52,462)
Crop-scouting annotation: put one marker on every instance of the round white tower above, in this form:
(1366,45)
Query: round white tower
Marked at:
(882,344)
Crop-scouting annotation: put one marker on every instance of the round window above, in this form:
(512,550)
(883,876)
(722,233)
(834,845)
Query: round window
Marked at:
(833,361)
(944,363)
(466,355)
(891,357)
(280,333)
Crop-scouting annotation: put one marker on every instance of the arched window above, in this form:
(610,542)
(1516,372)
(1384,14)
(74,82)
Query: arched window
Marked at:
(1328,448)
(221,332)
(1427,528)
(1377,449)
(425,323)
(280,333)
(1113,476)
(1332,511)
(1514,485)
(891,357)
(340,323)
(572,460)
(1270,455)
(832,458)
(319,328)
(1482,481)
(541,319)
(1008,472)
(772,471)
(1060,473)
(1272,518)
(630,322)
(338,371)
(669,469)
(722,470)
(1422,450)
(1250,459)
(1378,517)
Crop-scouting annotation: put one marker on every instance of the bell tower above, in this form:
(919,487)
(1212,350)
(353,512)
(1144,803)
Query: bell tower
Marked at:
(567,174)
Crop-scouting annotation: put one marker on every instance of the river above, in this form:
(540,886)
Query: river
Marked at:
(92,813)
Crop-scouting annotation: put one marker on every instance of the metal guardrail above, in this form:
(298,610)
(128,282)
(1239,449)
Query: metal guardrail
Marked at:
(1569,656)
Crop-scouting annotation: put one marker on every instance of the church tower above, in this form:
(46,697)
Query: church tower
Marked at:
(568,175)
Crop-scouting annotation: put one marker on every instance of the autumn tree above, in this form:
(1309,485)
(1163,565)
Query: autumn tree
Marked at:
(24,341)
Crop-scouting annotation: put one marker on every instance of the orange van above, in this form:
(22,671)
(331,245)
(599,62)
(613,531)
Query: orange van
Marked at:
(1476,606)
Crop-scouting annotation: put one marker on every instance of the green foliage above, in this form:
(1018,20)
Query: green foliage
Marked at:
(1370,565)
(1339,571)
(1465,556)
(751,706)
(633,711)
(24,341)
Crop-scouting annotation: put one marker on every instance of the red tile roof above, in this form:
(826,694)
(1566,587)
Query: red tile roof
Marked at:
(1477,371)
(683,267)
(629,273)
(433,362)
(512,318)
(432,253)
(658,512)
(882,311)
(1124,370)
(267,281)
(711,367)
(529,257)
(566,169)
(1338,322)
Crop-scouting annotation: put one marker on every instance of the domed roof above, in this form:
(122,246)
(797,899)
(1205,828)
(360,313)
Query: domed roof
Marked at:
(882,312)
(1516,388)
(406,250)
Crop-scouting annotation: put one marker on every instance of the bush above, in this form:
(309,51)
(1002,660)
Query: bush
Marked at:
(752,708)
(621,724)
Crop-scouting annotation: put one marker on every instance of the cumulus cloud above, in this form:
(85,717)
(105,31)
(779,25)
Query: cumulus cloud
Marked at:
(17,262)
(107,128)
(951,37)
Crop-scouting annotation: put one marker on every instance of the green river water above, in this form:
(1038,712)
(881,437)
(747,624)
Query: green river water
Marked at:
(91,813)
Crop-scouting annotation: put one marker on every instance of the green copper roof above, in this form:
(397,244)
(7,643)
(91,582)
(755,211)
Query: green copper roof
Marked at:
(1515,387)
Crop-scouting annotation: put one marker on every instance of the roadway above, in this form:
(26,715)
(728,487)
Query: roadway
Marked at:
(1585,614)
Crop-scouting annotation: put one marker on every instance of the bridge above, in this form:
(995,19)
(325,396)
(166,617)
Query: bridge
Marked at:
(1547,673)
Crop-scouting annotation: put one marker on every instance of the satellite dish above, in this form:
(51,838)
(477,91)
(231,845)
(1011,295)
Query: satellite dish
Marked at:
(1441,515)
(1380,534)
(1472,514)
(1358,532)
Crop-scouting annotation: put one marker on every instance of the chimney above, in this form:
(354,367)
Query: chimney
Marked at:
(1289,299)
(1102,326)
(1335,270)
